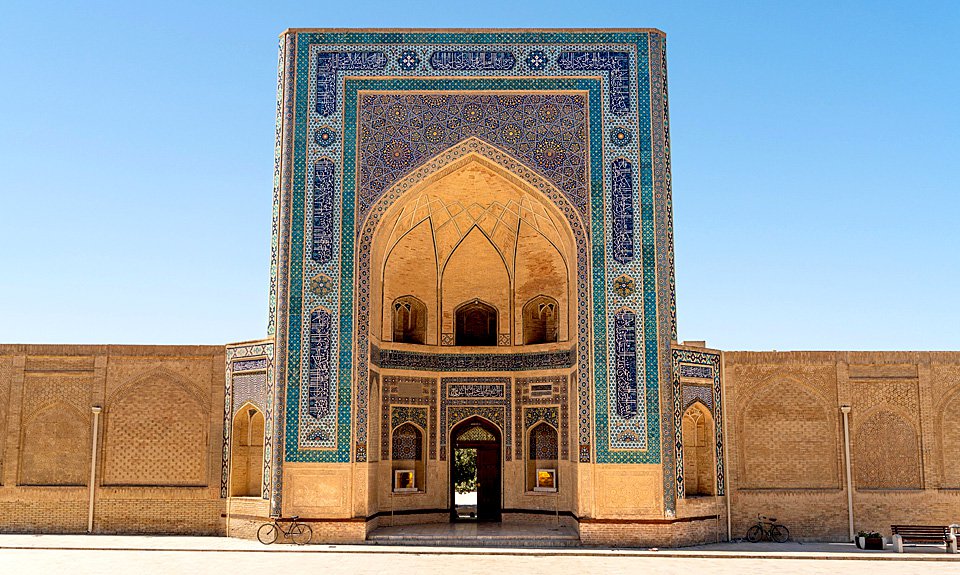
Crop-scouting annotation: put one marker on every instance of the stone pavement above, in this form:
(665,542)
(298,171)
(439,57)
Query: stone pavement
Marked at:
(378,560)
(145,555)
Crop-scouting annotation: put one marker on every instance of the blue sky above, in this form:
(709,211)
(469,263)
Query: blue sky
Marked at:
(816,165)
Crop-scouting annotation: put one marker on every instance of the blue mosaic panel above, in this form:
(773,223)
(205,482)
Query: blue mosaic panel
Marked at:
(543,443)
(694,393)
(250,365)
(701,371)
(323,190)
(407,443)
(472,60)
(625,351)
(400,131)
(401,414)
(400,359)
(617,64)
(329,63)
(532,415)
(621,202)
(319,390)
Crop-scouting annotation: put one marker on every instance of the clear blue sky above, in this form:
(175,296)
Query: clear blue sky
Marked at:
(815,162)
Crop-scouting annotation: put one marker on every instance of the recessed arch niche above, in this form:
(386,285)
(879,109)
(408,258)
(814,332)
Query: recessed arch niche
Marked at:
(470,231)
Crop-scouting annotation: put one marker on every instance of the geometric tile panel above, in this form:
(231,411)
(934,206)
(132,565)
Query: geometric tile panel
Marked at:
(694,364)
(250,377)
(406,398)
(542,398)
(464,397)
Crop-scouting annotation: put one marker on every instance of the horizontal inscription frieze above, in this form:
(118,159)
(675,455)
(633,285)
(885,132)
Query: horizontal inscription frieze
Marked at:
(397,359)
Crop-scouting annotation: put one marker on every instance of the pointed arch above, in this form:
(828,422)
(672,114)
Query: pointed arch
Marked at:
(476,323)
(405,207)
(541,320)
(699,462)
(475,421)
(246,452)
(409,320)
(574,234)
(461,292)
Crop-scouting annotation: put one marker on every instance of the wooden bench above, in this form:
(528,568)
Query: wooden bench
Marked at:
(924,533)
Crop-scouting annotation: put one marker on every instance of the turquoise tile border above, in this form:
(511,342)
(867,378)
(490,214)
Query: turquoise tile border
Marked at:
(295,311)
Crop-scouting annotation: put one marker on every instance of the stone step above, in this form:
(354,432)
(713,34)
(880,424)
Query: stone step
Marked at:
(477,541)
(476,535)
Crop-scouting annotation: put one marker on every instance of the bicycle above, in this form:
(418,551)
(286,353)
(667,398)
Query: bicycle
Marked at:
(299,533)
(767,527)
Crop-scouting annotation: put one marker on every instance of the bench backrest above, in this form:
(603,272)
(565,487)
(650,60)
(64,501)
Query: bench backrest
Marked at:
(920,530)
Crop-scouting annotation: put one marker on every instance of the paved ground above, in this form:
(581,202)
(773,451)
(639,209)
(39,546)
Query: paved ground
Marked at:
(116,555)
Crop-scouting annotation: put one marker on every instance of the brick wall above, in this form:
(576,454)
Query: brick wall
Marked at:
(158,453)
(785,439)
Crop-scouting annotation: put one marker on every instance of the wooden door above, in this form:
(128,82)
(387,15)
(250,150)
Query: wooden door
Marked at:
(488,477)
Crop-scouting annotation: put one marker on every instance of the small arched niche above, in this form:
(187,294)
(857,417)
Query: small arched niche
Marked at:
(409,320)
(476,324)
(542,457)
(699,465)
(406,456)
(540,320)
(246,452)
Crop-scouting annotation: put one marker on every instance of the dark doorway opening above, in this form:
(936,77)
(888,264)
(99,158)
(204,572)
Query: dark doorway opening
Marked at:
(475,471)
(476,324)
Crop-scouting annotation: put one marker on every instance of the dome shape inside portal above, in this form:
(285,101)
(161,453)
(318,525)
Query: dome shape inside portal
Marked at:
(472,241)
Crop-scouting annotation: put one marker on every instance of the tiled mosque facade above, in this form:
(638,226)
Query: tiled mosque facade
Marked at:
(474,227)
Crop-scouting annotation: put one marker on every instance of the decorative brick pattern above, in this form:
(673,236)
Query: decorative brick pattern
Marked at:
(147,441)
(56,447)
(897,464)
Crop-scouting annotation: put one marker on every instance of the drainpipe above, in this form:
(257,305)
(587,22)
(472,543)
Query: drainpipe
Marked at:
(93,464)
(845,410)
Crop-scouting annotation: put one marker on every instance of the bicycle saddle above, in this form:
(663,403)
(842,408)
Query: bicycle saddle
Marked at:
(294,517)
(772,519)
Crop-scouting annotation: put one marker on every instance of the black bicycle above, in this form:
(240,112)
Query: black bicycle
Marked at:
(768,528)
(299,533)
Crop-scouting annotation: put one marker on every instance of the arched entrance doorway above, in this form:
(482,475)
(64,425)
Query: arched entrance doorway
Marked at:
(475,468)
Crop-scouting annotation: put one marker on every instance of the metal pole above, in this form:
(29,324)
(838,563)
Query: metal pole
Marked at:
(728,490)
(93,464)
(845,410)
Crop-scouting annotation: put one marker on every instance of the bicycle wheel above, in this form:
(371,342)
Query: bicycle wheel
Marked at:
(779,533)
(267,533)
(754,534)
(300,533)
